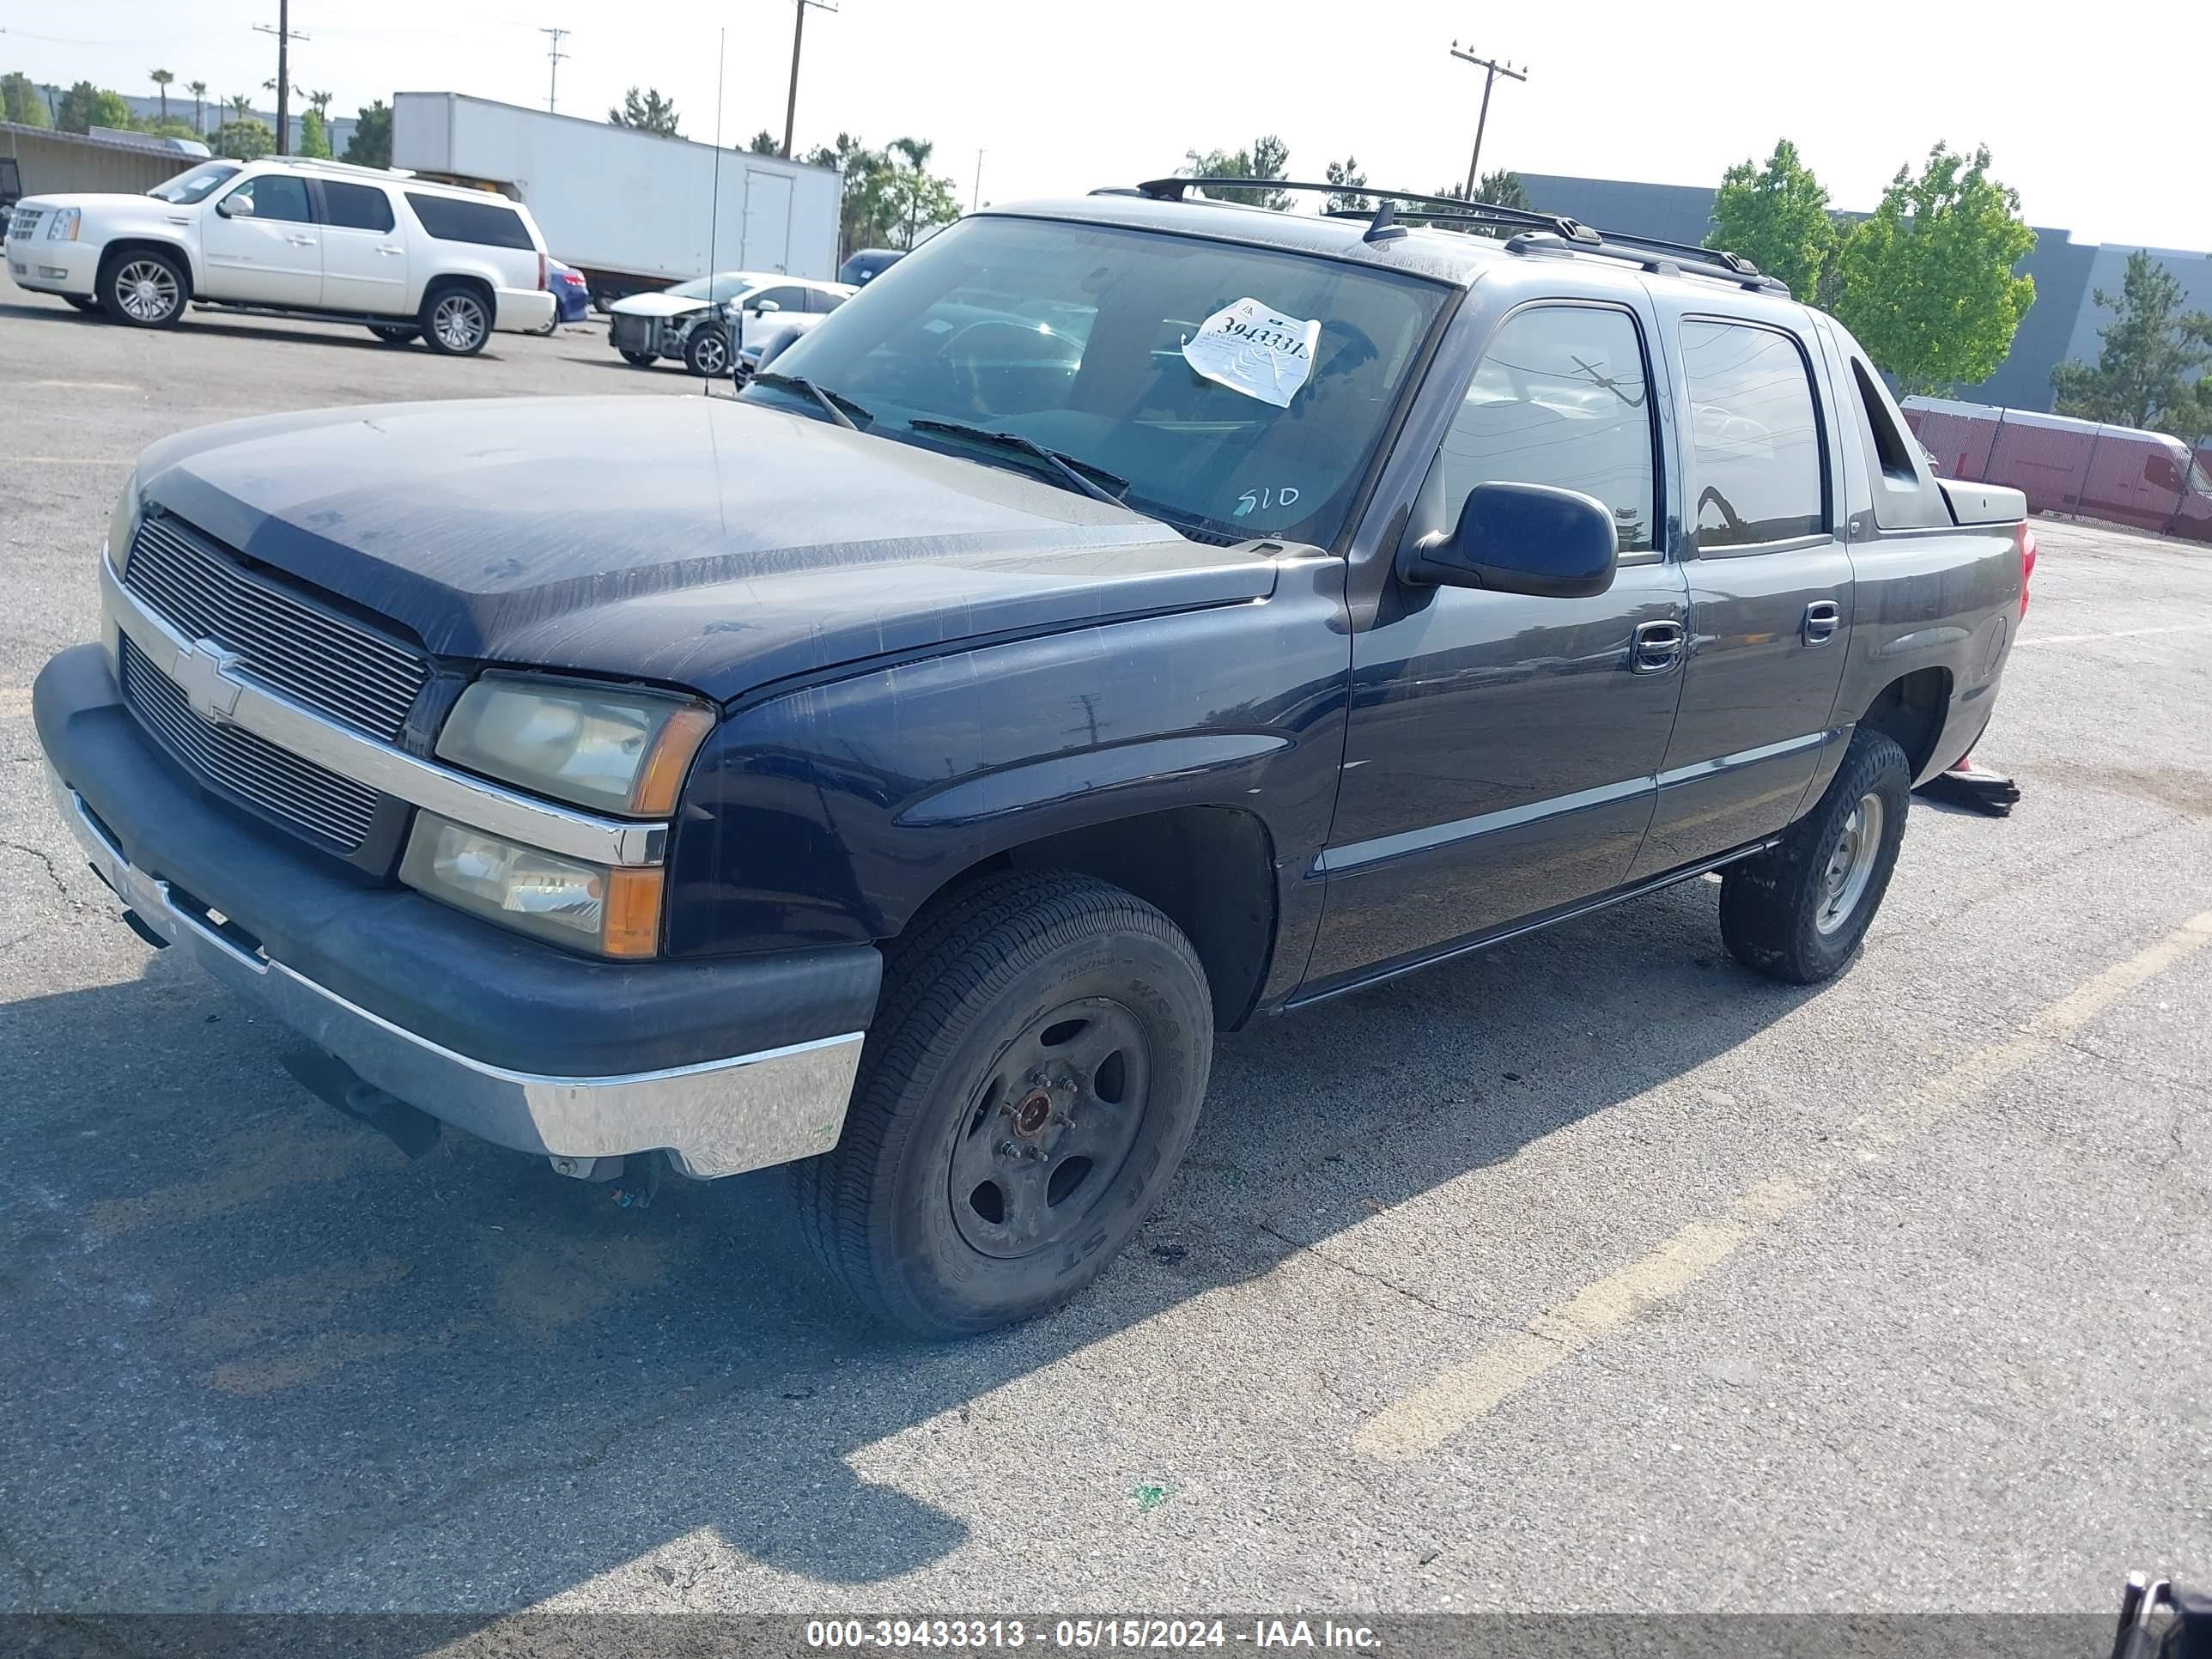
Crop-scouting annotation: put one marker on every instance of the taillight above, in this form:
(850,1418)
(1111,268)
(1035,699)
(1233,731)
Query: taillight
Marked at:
(2026,564)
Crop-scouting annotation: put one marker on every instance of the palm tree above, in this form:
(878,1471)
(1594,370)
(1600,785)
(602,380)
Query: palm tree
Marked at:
(917,152)
(241,104)
(321,101)
(160,78)
(198,90)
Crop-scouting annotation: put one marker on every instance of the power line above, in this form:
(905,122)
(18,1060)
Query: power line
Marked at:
(798,36)
(1492,69)
(285,34)
(553,85)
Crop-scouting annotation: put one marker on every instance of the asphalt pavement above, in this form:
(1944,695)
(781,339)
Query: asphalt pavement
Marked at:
(1591,1273)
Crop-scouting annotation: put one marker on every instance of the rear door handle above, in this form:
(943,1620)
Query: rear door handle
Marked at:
(300,242)
(391,250)
(1656,647)
(1821,619)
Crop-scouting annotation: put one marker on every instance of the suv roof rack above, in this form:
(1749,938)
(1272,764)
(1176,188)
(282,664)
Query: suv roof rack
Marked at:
(336,166)
(1542,233)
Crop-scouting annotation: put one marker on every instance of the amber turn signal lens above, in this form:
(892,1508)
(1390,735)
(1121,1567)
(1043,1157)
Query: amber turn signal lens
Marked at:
(633,912)
(661,779)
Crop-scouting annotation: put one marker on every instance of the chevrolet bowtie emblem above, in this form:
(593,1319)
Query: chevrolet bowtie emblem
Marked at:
(203,672)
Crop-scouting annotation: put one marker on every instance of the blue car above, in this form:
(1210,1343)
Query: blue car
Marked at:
(572,300)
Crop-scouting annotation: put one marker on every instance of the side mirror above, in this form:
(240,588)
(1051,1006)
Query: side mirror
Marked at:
(766,306)
(1522,538)
(235,205)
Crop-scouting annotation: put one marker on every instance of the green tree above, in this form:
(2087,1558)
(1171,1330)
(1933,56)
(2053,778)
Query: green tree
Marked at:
(920,199)
(371,144)
(321,101)
(2151,352)
(1269,158)
(246,140)
(160,78)
(1499,188)
(869,217)
(1777,216)
(19,101)
(198,90)
(85,106)
(649,113)
(314,136)
(765,142)
(1927,283)
(177,127)
(241,105)
(1348,176)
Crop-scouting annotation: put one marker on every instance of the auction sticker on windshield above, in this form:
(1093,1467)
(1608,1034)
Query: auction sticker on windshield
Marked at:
(1252,348)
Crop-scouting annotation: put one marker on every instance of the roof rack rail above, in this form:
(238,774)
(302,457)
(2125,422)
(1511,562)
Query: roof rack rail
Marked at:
(1382,225)
(1669,258)
(335,166)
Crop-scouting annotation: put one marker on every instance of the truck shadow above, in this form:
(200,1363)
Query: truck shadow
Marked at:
(306,330)
(316,1375)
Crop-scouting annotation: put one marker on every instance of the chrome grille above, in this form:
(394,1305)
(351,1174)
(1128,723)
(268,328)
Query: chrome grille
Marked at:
(24,221)
(333,665)
(297,791)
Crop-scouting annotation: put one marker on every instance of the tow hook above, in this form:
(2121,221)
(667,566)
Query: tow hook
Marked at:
(642,1173)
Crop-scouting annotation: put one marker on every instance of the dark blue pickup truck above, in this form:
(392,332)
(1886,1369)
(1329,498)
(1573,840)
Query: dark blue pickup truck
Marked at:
(1128,617)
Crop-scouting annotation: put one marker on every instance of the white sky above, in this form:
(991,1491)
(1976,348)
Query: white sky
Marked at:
(2094,114)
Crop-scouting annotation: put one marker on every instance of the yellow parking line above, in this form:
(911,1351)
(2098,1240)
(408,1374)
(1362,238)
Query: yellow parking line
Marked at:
(1433,1413)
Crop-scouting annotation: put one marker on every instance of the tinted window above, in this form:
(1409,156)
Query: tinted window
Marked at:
(1073,335)
(1561,399)
(357,207)
(275,196)
(1754,435)
(784,298)
(822,302)
(453,220)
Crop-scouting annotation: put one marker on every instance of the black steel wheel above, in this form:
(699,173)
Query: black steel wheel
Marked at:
(1031,1080)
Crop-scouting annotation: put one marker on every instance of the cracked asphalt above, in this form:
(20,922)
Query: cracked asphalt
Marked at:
(1884,1296)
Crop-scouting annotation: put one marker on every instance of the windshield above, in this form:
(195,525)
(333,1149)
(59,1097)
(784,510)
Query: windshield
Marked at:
(727,286)
(1073,335)
(196,184)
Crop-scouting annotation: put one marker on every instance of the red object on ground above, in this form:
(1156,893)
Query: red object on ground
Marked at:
(2145,479)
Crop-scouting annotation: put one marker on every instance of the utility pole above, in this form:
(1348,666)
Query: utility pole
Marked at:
(1492,69)
(797,38)
(553,85)
(977,199)
(285,34)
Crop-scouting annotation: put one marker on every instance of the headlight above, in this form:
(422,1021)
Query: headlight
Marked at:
(122,522)
(615,913)
(62,227)
(620,751)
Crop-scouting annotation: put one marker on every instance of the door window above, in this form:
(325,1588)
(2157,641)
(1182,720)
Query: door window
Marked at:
(1562,398)
(277,195)
(784,298)
(1754,436)
(356,206)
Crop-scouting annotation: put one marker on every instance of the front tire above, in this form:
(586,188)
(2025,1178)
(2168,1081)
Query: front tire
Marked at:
(640,359)
(1796,913)
(1030,1084)
(456,320)
(144,290)
(707,353)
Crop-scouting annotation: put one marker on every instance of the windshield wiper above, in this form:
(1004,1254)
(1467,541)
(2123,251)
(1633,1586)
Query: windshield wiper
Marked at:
(839,407)
(1078,475)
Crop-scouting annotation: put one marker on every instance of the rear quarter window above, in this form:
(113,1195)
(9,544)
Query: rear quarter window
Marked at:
(486,223)
(1754,435)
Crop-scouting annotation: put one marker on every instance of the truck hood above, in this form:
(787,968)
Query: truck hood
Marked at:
(91,202)
(700,542)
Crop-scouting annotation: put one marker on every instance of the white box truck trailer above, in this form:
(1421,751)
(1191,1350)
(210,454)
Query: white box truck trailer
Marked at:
(632,210)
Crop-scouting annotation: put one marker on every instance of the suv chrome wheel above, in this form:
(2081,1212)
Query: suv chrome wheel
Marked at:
(146,291)
(458,322)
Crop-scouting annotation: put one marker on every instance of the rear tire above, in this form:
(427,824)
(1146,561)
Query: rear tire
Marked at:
(144,288)
(1798,912)
(1031,1081)
(399,334)
(456,319)
(640,359)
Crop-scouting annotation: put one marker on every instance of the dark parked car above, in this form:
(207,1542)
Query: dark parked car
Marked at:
(571,296)
(1144,617)
(861,268)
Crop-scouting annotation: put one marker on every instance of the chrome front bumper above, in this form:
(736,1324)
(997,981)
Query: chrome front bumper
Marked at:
(716,1118)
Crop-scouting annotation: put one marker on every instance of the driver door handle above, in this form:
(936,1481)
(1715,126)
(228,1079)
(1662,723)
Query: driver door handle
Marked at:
(1822,617)
(1658,646)
(300,242)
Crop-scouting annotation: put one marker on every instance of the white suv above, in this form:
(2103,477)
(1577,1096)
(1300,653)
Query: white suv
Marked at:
(298,238)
